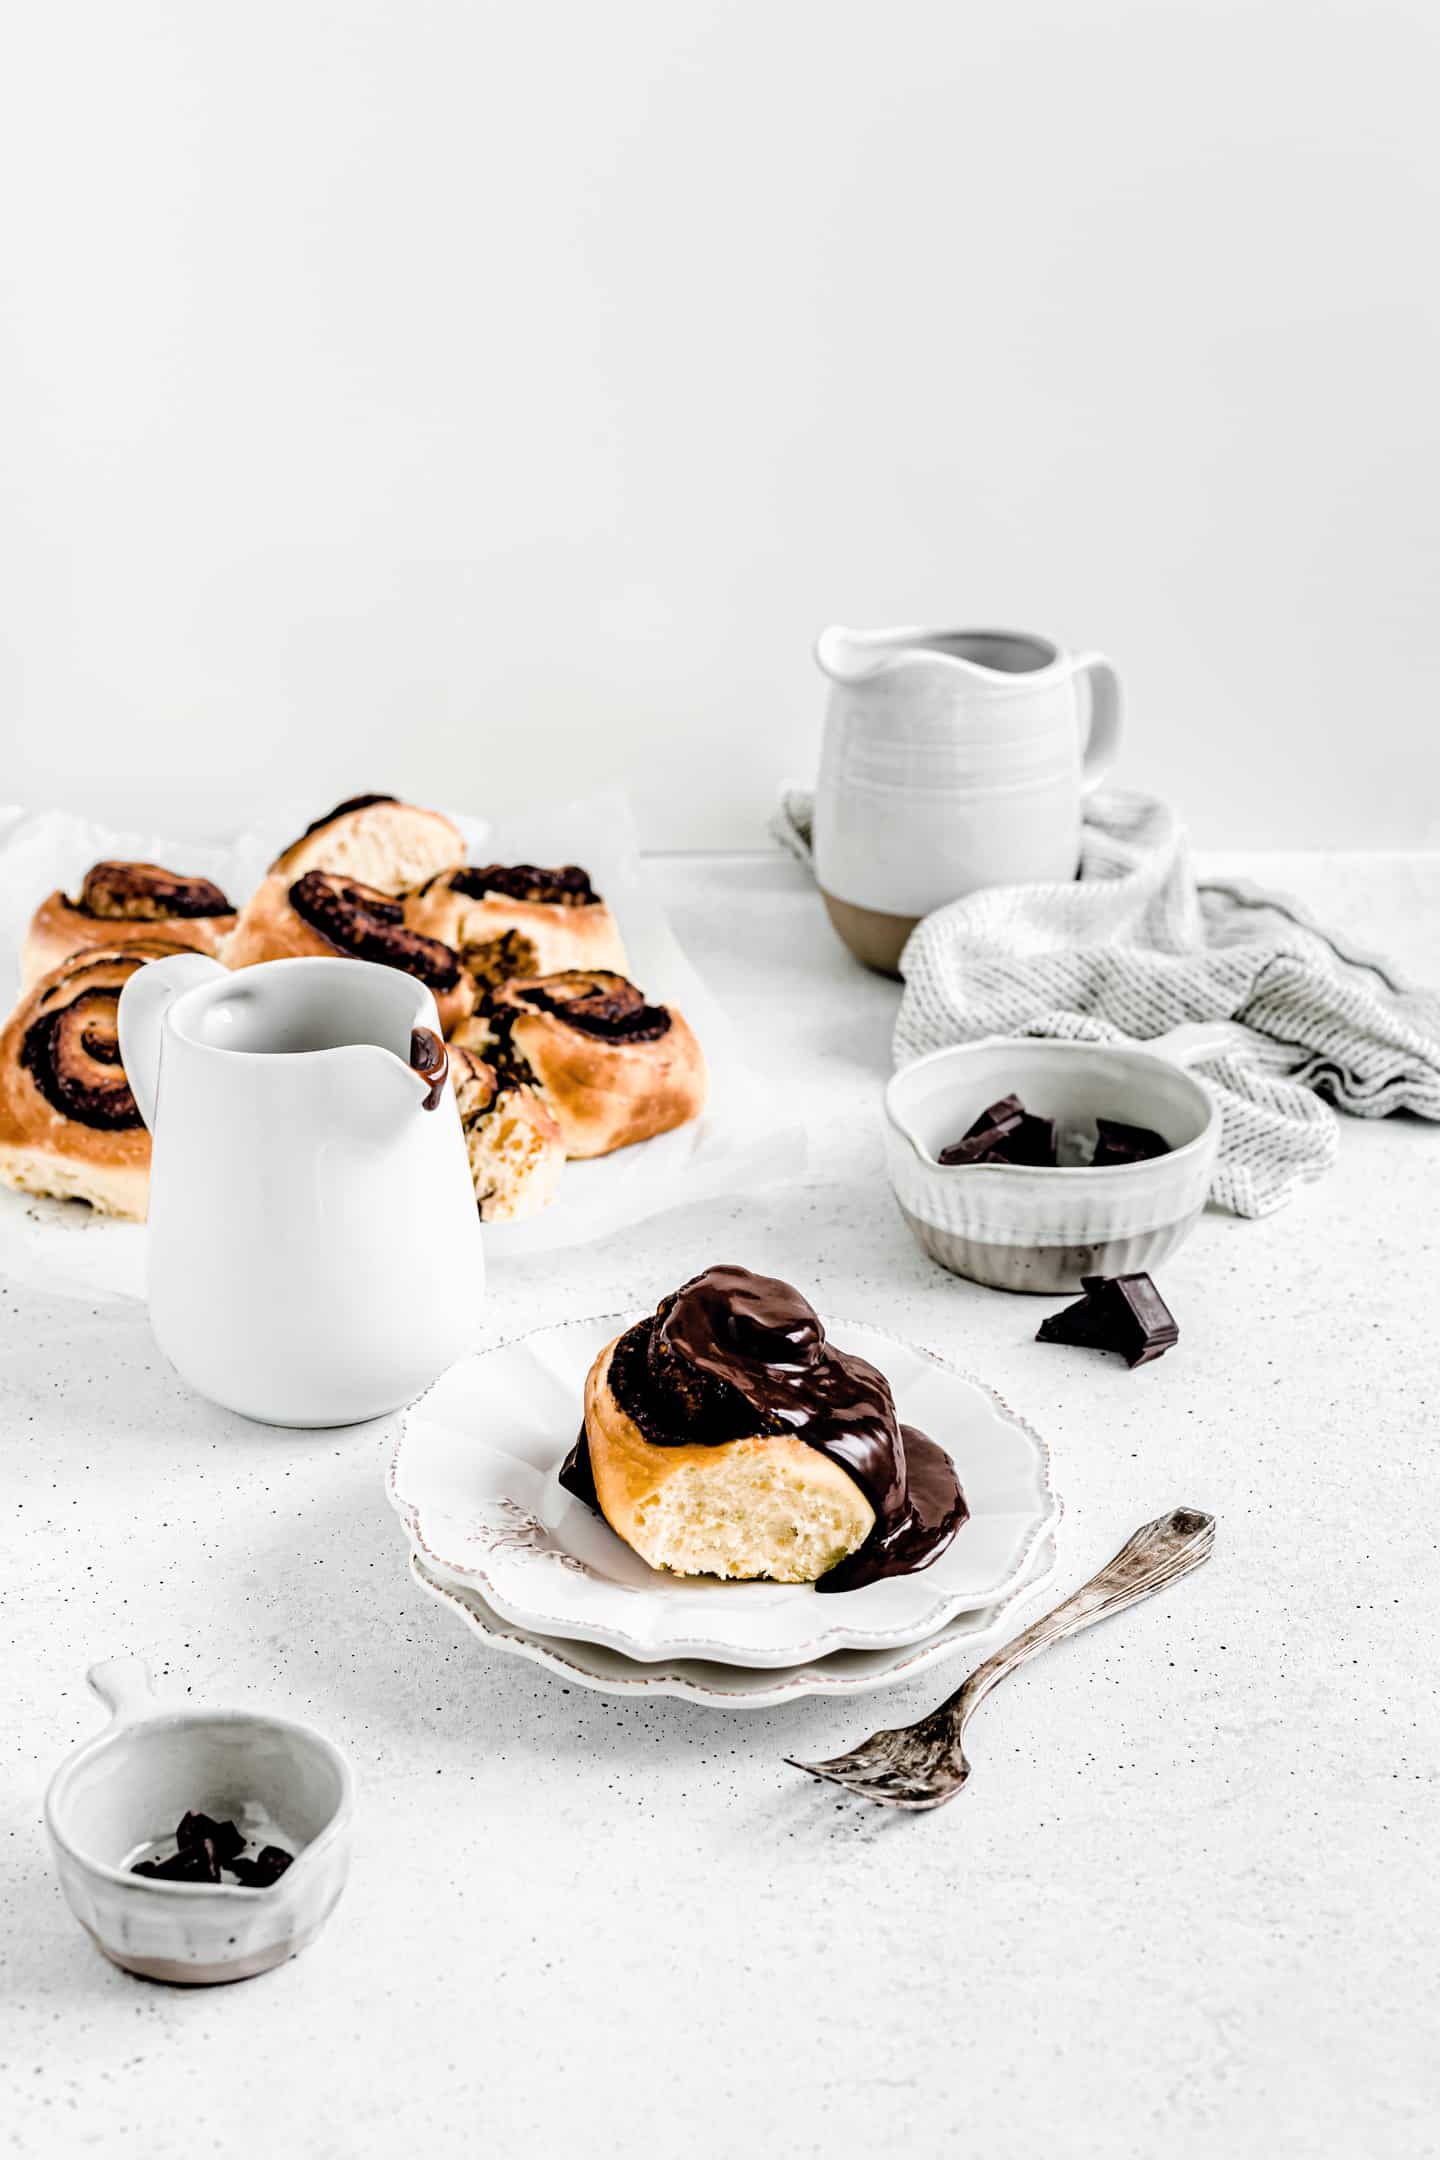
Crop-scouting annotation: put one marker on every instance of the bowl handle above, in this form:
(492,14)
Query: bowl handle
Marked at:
(1197,1040)
(124,1685)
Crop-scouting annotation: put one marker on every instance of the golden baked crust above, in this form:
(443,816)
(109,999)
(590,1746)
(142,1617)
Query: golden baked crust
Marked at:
(509,934)
(763,1506)
(125,903)
(323,913)
(377,840)
(513,1143)
(616,1071)
(66,1025)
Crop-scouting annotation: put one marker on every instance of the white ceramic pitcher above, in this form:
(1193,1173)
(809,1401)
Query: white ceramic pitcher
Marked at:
(314,1249)
(952,759)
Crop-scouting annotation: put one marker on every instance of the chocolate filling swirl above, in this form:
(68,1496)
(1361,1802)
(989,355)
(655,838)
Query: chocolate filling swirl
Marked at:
(599,1004)
(369,925)
(343,809)
(72,1053)
(569,886)
(732,1354)
(144,892)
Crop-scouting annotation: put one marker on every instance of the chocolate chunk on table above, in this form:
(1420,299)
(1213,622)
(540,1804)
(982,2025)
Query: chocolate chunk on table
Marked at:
(1118,1312)
(1117,1143)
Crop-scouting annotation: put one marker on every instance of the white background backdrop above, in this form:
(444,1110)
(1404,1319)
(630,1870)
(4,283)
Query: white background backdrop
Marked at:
(469,398)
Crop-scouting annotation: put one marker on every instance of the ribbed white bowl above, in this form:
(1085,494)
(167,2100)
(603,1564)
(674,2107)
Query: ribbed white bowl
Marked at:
(151,1765)
(1018,1227)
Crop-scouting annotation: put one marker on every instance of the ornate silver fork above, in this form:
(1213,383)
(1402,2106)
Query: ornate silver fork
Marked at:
(923,1765)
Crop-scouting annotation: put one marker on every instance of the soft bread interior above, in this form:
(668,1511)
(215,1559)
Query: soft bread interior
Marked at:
(512,1142)
(751,1508)
(387,845)
(117,1189)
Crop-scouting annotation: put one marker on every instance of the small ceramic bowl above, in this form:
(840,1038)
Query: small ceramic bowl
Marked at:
(1018,1227)
(112,1800)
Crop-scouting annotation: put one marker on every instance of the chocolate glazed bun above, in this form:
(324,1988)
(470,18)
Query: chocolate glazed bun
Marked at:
(725,1436)
(122,903)
(321,913)
(509,920)
(611,1068)
(513,1143)
(69,1126)
(377,841)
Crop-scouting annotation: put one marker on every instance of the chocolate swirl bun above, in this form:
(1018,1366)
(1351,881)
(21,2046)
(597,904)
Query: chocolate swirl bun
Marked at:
(324,913)
(69,1126)
(612,1068)
(724,1435)
(514,1144)
(120,902)
(515,919)
(376,841)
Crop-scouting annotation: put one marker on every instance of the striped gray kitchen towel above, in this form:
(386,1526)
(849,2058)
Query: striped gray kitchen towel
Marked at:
(1135,946)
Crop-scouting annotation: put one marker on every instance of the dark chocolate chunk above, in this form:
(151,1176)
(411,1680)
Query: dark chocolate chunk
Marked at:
(992,1126)
(1117,1143)
(1005,1133)
(267,1867)
(1119,1312)
(198,1862)
(1032,1142)
(203,1847)
(226,1837)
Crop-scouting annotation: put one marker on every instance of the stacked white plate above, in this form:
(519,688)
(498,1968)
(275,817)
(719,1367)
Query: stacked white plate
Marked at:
(531,1571)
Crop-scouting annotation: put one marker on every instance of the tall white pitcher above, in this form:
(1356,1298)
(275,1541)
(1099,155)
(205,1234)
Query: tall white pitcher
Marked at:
(314,1250)
(952,759)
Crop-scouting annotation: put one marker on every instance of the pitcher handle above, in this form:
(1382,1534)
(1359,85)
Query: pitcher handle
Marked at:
(144,1002)
(125,1687)
(1194,1041)
(1102,739)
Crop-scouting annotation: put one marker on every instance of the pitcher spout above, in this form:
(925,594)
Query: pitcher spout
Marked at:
(854,656)
(378,1093)
(984,657)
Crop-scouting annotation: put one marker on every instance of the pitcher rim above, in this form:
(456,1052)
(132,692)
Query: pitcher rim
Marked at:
(197,992)
(931,637)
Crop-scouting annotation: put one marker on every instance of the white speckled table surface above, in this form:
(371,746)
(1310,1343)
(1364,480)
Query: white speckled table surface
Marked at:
(1187,1905)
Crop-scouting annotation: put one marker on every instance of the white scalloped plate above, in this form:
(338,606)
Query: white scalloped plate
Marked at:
(730,1687)
(474,1479)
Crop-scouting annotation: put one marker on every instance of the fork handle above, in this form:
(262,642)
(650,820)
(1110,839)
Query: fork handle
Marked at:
(1158,1554)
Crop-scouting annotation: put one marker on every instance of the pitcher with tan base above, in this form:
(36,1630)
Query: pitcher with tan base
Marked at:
(952,759)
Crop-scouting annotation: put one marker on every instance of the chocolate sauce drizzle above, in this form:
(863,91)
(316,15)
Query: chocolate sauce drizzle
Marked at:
(430,1058)
(369,925)
(144,892)
(72,1053)
(569,886)
(731,1354)
(600,1004)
